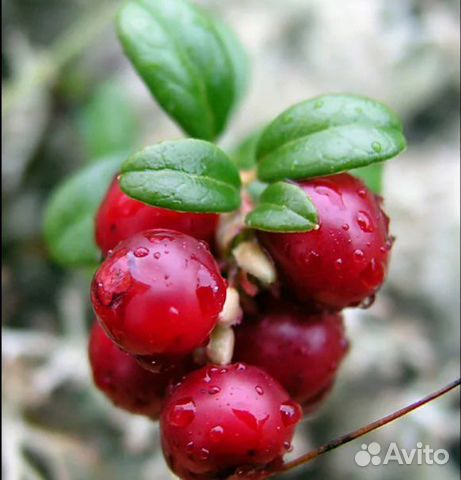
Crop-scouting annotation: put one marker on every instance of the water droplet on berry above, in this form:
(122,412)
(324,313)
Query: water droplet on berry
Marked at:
(141,252)
(345,227)
(339,263)
(290,412)
(332,192)
(157,255)
(373,274)
(259,390)
(367,302)
(216,433)
(247,418)
(240,367)
(182,413)
(362,193)
(358,255)
(214,390)
(376,146)
(204,454)
(287,446)
(190,447)
(364,222)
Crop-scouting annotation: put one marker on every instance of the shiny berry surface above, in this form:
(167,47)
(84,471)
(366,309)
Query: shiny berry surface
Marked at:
(159,292)
(301,350)
(219,419)
(345,261)
(120,216)
(124,382)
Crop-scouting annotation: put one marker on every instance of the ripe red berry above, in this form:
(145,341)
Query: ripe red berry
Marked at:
(219,419)
(124,382)
(119,217)
(300,350)
(344,262)
(159,292)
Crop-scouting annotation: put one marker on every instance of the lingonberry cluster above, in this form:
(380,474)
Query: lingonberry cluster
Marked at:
(229,364)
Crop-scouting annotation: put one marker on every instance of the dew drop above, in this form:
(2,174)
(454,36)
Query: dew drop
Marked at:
(216,433)
(339,264)
(290,412)
(223,370)
(373,274)
(204,454)
(376,146)
(358,255)
(345,227)
(214,390)
(364,222)
(240,367)
(141,252)
(362,193)
(247,418)
(259,390)
(367,302)
(332,193)
(182,413)
(287,446)
(190,447)
(157,255)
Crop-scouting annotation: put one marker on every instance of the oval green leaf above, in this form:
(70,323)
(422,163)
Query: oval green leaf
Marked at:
(283,207)
(184,175)
(70,212)
(328,135)
(193,65)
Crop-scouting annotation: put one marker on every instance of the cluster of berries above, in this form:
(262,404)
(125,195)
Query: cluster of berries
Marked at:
(160,294)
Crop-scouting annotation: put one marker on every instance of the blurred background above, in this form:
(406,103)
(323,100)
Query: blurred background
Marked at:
(64,78)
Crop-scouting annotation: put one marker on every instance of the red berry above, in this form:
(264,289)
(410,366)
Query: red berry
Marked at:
(159,292)
(344,262)
(124,382)
(300,350)
(219,419)
(119,217)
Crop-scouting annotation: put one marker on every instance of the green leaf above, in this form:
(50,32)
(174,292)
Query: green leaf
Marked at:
(193,65)
(372,176)
(244,156)
(284,207)
(70,212)
(108,122)
(328,135)
(184,175)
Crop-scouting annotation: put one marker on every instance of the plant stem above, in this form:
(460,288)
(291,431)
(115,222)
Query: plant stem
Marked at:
(64,49)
